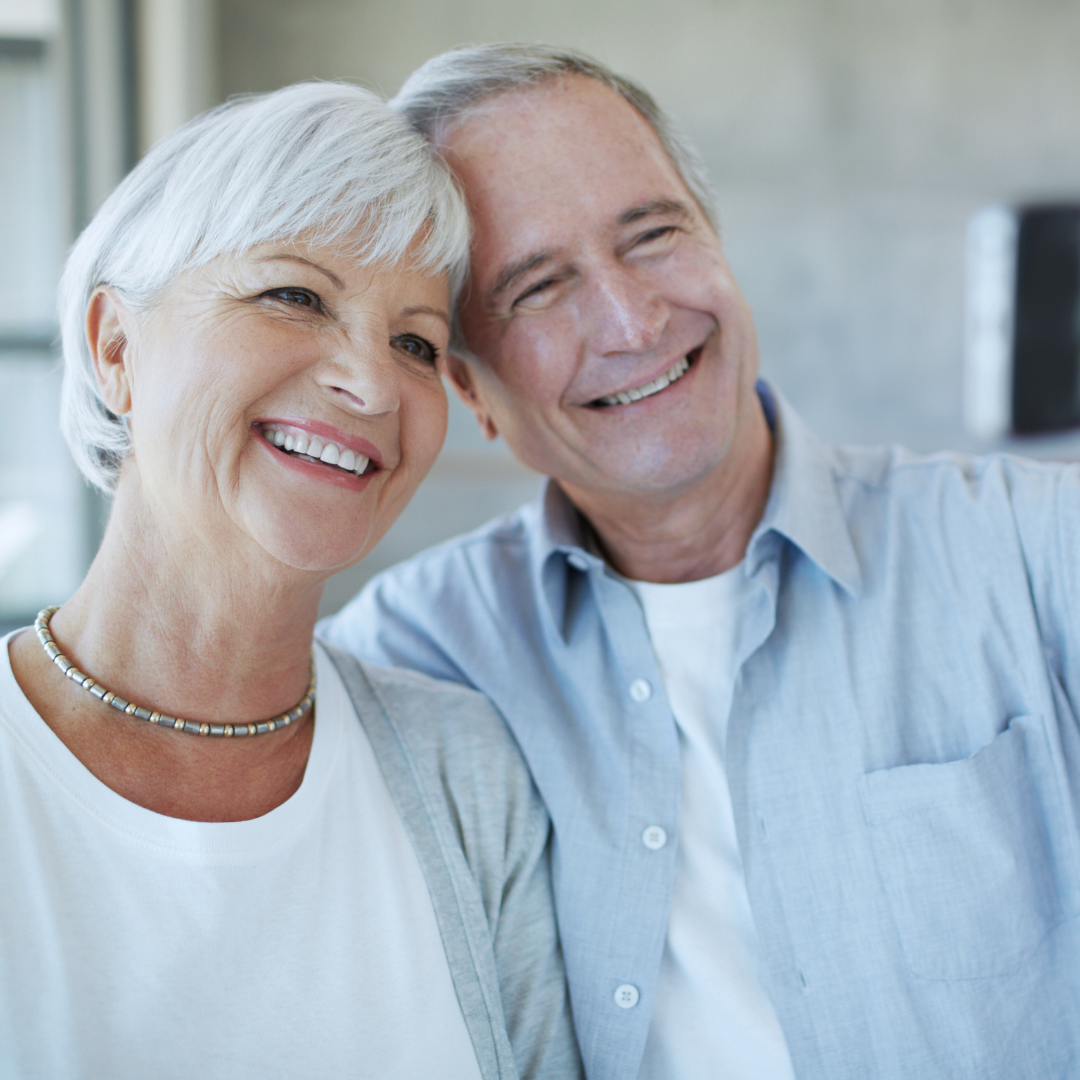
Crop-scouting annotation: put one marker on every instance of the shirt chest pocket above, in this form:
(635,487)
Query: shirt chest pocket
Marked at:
(978,858)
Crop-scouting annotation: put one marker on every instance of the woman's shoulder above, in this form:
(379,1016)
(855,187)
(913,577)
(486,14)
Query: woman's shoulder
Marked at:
(441,726)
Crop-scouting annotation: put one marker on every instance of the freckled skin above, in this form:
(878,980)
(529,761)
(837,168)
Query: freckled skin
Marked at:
(217,360)
(629,278)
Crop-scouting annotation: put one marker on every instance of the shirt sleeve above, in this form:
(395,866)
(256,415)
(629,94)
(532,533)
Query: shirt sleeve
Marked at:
(504,833)
(528,957)
(1045,501)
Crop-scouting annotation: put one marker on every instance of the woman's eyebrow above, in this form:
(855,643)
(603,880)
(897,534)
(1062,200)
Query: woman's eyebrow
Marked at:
(423,309)
(306,262)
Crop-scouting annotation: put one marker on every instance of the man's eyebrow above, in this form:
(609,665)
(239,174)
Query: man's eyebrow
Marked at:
(509,274)
(305,262)
(655,208)
(423,309)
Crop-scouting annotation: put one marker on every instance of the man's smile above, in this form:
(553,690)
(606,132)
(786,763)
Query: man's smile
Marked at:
(662,382)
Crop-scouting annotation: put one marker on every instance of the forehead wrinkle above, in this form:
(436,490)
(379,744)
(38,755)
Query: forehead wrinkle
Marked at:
(286,257)
(424,309)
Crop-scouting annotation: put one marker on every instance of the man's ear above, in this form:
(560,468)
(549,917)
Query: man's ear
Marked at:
(107,316)
(461,378)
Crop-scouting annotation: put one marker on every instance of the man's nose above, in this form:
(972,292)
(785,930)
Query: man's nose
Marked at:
(366,374)
(624,311)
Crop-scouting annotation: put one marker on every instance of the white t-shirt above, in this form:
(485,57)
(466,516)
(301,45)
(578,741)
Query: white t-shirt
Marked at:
(712,1017)
(299,944)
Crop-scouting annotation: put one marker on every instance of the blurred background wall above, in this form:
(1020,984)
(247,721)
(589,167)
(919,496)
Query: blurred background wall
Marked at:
(849,142)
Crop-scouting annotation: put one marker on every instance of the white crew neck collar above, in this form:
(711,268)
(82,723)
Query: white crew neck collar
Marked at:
(20,721)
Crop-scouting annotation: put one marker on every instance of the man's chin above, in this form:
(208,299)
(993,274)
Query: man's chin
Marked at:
(652,473)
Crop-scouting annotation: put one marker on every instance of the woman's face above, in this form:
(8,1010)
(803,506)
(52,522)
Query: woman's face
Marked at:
(288,400)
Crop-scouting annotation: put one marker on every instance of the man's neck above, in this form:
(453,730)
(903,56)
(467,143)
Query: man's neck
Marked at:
(697,533)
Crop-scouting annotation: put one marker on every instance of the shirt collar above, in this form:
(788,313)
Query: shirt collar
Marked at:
(803,506)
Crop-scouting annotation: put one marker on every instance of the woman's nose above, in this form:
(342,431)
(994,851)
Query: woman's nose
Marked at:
(625,314)
(367,374)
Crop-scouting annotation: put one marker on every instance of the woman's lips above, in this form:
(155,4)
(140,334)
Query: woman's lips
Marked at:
(316,469)
(301,443)
(325,433)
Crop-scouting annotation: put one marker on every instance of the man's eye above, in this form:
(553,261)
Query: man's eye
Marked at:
(417,346)
(296,297)
(656,234)
(535,290)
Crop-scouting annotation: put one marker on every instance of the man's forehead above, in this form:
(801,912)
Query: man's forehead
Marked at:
(504,126)
(560,159)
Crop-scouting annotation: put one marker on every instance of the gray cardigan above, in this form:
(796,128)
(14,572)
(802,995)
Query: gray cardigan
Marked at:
(482,837)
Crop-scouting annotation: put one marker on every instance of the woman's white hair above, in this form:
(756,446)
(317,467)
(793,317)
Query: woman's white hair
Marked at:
(444,91)
(327,162)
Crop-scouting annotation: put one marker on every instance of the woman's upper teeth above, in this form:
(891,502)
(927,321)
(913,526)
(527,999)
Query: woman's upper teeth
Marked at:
(294,441)
(675,372)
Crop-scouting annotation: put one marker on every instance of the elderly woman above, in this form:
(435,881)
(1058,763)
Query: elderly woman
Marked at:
(205,870)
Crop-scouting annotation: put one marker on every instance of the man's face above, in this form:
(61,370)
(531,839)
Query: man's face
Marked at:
(595,276)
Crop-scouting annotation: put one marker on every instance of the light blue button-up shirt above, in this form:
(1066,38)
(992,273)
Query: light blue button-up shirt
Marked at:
(903,752)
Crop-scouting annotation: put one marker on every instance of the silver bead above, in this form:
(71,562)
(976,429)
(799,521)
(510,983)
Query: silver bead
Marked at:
(129,708)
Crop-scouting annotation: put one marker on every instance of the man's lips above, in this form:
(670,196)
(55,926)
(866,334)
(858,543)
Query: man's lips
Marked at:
(654,386)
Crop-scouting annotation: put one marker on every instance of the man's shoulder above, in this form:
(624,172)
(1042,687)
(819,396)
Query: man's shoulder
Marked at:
(895,471)
(421,612)
(498,546)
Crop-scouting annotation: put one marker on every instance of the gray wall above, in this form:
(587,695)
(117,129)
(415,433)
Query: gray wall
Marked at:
(849,140)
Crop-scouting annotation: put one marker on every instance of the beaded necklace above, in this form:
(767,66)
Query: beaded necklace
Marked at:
(152,716)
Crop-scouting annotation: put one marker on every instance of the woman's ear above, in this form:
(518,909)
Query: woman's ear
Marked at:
(107,318)
(461,378)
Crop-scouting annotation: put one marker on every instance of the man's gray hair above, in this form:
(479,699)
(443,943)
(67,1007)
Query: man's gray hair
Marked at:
(442,92)
(328,163)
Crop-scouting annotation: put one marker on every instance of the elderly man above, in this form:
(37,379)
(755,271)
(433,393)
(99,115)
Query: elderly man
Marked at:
(805,718)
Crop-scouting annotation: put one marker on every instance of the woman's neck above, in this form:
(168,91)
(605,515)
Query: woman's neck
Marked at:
(191,627)
(224,640)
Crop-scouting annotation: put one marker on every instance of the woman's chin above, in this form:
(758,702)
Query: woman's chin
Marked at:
(313,549)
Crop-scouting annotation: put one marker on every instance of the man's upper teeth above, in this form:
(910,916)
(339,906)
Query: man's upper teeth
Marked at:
(317,448)
(676,371)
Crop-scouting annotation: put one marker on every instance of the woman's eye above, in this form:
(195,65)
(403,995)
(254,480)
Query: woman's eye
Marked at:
(418,347)
(296,297)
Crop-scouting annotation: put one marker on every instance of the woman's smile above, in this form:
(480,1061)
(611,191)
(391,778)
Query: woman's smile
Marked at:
(321,451)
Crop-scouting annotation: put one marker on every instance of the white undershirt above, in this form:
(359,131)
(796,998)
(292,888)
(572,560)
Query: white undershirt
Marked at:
(299,944)
(713,1017)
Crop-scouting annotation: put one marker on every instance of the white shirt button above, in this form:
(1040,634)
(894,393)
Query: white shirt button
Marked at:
(640,690)
(654,838)
(577,561)
(626,997)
